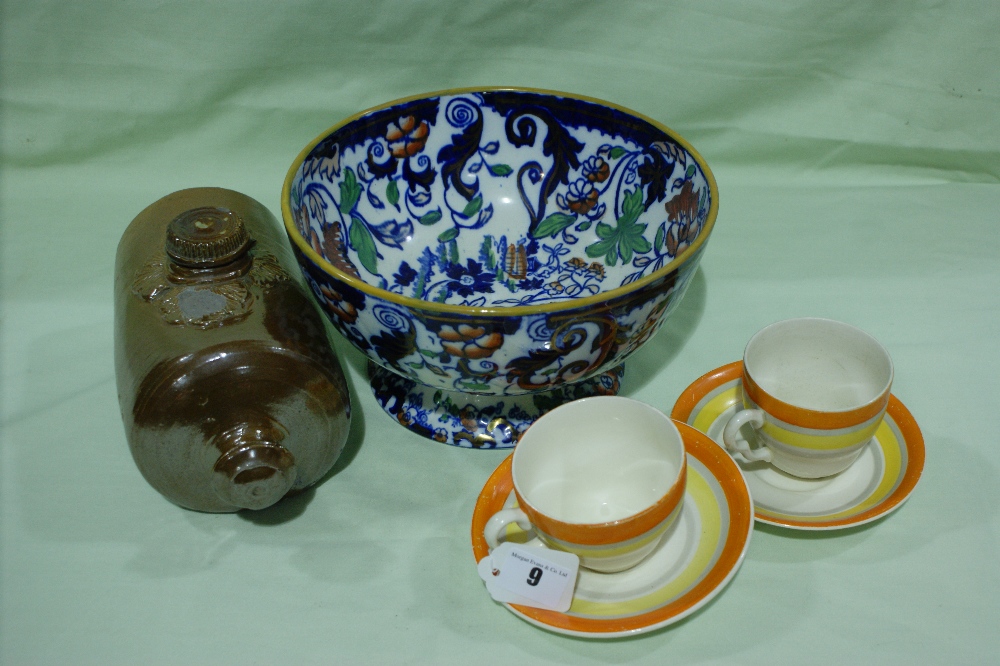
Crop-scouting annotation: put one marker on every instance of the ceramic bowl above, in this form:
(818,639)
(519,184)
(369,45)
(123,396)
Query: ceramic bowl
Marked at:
(496,252)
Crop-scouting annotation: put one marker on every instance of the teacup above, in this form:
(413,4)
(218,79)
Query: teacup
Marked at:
(815,392)
(602,477)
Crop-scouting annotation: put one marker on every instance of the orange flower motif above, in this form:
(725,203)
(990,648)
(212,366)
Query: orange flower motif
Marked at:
(331,247)
(471,342)
(684,206)
(596,170)
(407,138)
(679,237)
(468,418)
(583,205)
(301,215)
(315,242)
(336,302)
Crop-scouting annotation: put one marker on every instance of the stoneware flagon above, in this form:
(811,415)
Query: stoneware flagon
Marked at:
(230,392)
(497,252)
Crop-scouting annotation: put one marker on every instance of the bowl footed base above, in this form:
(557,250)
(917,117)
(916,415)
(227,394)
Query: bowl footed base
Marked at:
(476,421)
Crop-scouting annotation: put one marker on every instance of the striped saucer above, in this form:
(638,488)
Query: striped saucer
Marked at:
(687,569)
(876,484)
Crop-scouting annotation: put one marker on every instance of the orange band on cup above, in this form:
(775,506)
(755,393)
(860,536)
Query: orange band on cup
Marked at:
(616,531)
(810,418)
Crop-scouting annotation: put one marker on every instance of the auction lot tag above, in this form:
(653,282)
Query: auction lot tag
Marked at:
(530,576)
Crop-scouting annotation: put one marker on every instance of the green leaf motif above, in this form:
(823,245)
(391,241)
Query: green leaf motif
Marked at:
(617,152)
(363,243)
(430,218)
(501,170)
(601,248)
(350,192)
(552,225)
(447,235)
(634,242)
(690,171)
(473,206)
(392,192)
(625,239)
(632,206)
(486,253)
(661,236)
(625,251)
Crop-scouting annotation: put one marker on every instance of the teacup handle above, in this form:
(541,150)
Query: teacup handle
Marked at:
(739,446)
(496,525)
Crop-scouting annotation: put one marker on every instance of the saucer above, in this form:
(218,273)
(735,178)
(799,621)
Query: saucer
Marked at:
(877,483)
(687,569)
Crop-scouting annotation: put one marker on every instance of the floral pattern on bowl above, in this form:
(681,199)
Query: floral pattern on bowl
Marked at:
(498,242)
(415,210)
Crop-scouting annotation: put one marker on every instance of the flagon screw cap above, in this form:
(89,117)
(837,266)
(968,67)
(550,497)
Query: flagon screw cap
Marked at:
(206,237)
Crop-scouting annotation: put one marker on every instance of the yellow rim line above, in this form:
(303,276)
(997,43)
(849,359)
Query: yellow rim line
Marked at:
(711,532)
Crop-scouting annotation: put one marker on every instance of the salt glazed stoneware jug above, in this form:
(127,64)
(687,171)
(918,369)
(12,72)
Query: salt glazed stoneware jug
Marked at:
(231,394)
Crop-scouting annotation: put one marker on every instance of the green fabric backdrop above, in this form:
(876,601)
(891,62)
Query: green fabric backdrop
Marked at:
(857,151)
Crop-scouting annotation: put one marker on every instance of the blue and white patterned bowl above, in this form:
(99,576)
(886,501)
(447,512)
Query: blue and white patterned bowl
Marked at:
(480,245)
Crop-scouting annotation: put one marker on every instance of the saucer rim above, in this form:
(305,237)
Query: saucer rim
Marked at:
(913,440)
(737,541)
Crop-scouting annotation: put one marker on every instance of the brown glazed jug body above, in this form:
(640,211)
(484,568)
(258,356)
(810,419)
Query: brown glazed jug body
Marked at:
(231,394)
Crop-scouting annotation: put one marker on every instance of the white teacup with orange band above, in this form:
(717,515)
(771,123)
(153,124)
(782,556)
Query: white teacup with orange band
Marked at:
(815,391)
(602,477)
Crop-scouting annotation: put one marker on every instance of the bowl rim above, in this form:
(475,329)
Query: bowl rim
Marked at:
(306,248)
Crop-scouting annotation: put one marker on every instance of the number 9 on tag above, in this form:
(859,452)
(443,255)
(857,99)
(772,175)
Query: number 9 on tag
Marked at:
(535,574)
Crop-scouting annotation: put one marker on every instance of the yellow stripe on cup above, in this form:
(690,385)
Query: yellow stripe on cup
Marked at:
(820,442)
